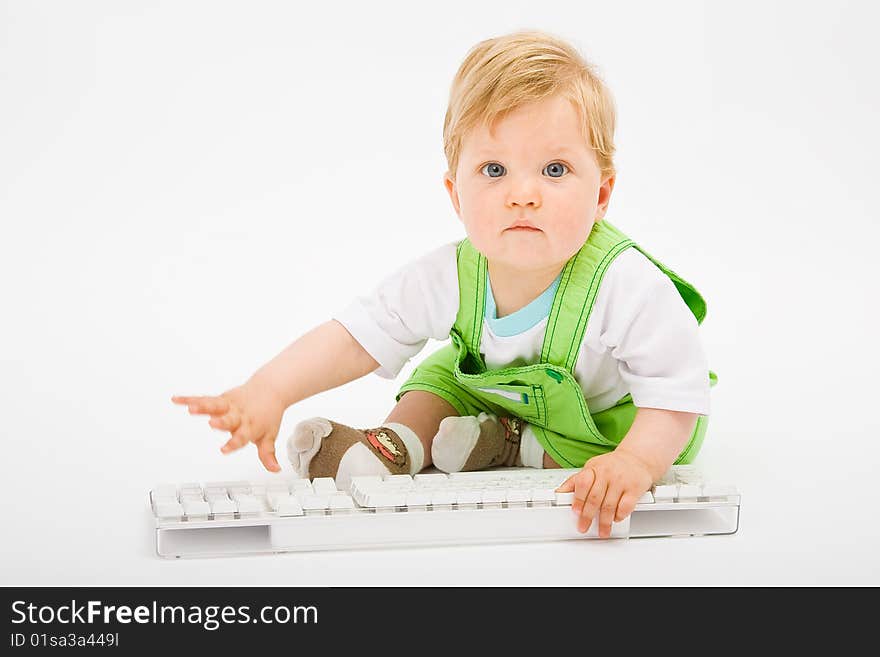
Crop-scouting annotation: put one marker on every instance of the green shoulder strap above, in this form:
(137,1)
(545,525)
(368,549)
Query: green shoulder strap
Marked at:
(576,294)
(579,286)
(472,267)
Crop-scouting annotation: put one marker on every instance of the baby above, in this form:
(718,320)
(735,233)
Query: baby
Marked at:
(570,345)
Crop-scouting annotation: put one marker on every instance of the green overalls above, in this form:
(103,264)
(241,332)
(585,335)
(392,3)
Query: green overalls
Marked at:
(545,394)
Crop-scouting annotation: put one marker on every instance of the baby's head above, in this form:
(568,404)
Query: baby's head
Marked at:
(529,136)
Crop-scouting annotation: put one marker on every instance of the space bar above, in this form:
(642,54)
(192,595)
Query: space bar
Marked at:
(412,528)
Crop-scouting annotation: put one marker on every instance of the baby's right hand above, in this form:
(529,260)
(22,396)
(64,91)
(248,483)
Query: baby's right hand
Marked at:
(251,413)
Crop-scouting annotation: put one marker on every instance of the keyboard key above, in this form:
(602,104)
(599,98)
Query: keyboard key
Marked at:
(216,495)
(475,476)
(564,499)
(274,497)
(313,502)
(385,500)
(472,496)
(417,497)
(646,498)
(366,482)
(516,495)
(196,508)
(397,479)
(667,479)
(494,495)
(247,504)
(341,503)
(689,492)
(169,510)
(543,495)
(687,474)
(443,497)
(430,479)
(665,492)
(221,506)
(289,506)
(297,485)
(324,486)
(165,491)
(223,484)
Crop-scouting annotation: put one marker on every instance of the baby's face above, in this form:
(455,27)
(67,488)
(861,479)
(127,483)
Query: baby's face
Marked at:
(536,167)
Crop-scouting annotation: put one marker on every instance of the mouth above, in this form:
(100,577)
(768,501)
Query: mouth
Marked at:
(524,229)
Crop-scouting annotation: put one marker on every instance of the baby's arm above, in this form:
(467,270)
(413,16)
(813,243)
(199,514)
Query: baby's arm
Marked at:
(657,436)
(326,357)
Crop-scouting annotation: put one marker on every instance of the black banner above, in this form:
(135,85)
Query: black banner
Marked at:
(122,620)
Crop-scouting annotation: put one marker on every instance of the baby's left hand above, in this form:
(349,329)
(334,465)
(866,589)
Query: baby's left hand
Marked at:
(610,484)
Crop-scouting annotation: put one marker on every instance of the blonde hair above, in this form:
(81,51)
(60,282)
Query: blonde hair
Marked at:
(499,75)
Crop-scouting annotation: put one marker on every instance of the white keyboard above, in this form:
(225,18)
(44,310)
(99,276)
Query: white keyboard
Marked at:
(492,506)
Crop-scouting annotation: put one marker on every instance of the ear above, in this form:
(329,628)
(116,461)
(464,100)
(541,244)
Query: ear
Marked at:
(604,197)
(449,183)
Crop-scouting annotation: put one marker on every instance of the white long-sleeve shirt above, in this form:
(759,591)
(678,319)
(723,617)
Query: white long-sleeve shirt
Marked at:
(641,338)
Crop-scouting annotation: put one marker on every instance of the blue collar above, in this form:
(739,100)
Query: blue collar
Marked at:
(524,318)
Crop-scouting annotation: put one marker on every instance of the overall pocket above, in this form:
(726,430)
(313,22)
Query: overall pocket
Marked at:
(520,400)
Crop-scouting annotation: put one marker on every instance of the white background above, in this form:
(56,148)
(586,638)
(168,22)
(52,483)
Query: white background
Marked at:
(186,187)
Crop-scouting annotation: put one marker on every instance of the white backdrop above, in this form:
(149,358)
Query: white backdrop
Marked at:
(186,187)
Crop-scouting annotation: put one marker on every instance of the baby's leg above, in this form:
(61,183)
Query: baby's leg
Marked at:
(402,445)
(422,411)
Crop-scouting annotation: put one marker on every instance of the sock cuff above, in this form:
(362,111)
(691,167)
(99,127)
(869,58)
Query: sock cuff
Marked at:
(530,451)
(413,445)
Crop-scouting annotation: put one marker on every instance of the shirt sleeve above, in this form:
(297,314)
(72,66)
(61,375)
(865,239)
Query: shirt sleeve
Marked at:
(654,337)
(417,302)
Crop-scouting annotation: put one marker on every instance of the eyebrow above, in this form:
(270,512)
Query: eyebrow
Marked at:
(558,149)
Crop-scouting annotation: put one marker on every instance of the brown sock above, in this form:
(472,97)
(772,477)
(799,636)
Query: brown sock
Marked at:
(317,448)
(498,443)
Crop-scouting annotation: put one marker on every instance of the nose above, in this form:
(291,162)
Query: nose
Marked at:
(523,192)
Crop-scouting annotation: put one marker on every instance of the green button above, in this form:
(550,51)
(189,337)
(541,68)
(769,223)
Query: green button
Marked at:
(554,375)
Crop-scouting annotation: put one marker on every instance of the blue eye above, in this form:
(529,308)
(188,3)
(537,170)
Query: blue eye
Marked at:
(493,167)
(495,170)
(556,167)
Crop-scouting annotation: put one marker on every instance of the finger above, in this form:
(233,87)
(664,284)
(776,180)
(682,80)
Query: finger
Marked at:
(186,399)
(230,422)
(208,405)
(583,481)
(266,451)
(566,486)
(239,439)
(626,505)
(609,509)
(594,501)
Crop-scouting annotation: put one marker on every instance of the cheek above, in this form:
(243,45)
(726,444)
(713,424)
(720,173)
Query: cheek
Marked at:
(479,212)
(574,221)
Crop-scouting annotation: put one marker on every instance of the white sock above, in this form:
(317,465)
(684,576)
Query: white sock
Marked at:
(530,451)
(413,445)
(454,441)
